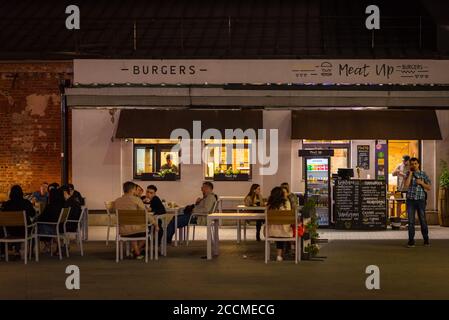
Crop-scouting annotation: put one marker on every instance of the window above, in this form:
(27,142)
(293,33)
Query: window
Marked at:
(228,159)
(154,160)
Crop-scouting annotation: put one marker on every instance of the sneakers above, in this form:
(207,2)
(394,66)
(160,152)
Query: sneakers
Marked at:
(411,244)
(426,243)
(279,259)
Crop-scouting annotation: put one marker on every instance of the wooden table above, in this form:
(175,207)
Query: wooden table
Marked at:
(213,221)
(241,208)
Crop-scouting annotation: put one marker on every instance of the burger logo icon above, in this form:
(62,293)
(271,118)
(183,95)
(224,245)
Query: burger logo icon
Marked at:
(326,69)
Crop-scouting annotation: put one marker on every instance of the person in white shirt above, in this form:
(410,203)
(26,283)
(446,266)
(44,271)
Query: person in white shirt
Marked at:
(401,172)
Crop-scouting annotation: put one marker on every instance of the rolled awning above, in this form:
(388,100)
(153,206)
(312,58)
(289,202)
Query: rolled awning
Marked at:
(160,123)
(365,124)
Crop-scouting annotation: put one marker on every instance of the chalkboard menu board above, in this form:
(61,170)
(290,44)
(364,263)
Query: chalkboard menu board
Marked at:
(360,204)
(363,156)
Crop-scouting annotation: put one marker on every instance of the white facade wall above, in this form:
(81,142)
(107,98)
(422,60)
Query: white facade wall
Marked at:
(100,165)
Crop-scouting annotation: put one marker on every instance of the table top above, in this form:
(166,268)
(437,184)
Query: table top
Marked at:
(243,207)
(231,198)
(236,215)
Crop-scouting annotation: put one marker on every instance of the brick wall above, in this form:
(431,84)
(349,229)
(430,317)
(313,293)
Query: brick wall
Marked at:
(30,127)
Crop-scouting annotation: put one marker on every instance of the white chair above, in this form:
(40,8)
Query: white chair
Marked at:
(78,233)
(281,217)
(109,205)
(194,222)
(132,217)
(63,215)
(17,219)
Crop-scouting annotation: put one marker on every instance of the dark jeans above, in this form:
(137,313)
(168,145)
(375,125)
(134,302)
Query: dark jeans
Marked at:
(258,228)
(412,207)
(281,245)
(183,220)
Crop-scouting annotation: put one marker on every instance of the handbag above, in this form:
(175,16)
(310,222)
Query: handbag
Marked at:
(300,230)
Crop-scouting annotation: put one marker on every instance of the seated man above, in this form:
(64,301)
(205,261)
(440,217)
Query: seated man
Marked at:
(41,195)
(157,207)
(202,205)
(130,201)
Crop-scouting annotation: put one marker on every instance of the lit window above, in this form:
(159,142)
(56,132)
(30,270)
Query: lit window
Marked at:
(155,160)
(228,159)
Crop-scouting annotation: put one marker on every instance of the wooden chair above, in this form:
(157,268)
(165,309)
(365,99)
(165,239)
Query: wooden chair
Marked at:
(132,218)
(17,219)
(281,217)
(109,205)
(64,214)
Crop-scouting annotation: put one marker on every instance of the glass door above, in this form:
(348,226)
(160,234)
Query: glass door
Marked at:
(317,186)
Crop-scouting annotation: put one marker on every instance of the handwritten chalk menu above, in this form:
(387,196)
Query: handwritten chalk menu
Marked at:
(373,204)
(360,204)
(347,205)
(363,156)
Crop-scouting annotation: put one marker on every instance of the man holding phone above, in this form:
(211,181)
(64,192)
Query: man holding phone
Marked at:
(417,184)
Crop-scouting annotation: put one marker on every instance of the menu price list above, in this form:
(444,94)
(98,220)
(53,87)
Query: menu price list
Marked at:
(360,204)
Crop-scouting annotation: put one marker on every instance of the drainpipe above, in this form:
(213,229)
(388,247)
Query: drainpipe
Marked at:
(64,134)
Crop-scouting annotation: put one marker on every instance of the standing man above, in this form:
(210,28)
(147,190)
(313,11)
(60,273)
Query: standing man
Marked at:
(417,184)
(401,172)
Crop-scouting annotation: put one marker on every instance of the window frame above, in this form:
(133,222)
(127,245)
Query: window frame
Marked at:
(157,149)
(246,146)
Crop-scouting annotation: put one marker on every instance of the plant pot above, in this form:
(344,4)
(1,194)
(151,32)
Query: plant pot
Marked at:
(395,223)
(443,207)
(156,177)
(231,177)
(305,256)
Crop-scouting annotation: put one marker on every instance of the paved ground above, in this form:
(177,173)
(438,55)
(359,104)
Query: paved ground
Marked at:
(97,233)
(418,273)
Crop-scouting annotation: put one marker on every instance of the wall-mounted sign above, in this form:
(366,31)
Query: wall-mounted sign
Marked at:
(316,153)
(381,156)
(88,71)
(363,156)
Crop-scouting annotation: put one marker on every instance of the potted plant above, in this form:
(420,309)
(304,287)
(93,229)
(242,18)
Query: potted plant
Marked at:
(230,175)
(311,234)
(443,195)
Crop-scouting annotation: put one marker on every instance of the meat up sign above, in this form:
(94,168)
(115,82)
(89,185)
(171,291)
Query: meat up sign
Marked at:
(261,71)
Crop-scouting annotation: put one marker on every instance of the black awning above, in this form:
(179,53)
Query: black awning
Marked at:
(365,124)
(160,123)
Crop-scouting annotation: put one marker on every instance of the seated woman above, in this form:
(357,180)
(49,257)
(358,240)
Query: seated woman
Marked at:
(51,213)
(279,201)
(16,202)
(254,199)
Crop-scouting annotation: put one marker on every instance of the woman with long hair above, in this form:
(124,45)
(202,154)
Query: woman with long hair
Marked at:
(51,212)
(278,201)
(16,202)
(254,199)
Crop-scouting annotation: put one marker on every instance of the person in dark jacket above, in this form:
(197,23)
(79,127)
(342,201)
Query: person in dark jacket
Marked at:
(52,210)
(72,201)
(51,213)
(16,202)
(74,193)
(157,207)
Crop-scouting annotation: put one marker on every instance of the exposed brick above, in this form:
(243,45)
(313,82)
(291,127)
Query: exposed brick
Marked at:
(30,123)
